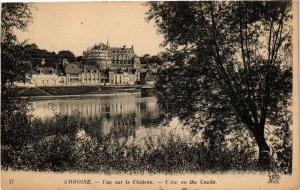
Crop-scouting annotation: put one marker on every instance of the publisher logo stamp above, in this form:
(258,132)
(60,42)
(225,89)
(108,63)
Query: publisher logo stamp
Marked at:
(274,178)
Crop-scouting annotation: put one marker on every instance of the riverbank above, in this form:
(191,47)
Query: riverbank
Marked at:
(76,91)
(81,96)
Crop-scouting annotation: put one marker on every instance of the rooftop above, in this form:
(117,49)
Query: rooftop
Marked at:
(73,69)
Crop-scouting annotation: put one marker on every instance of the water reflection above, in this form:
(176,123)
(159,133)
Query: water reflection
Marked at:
(117,114)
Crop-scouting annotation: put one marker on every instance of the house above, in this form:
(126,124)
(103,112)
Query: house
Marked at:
(73,75)
(47,76)
(90,75)
(119,77)
(115,77)
(129,78)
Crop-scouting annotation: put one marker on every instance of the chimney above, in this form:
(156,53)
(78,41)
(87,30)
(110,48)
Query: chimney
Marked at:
(43,61)
(65,62)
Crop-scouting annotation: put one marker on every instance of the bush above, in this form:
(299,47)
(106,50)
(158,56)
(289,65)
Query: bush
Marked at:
(70,143)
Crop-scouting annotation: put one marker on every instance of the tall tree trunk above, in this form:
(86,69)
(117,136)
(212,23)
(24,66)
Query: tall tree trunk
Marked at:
(264,149)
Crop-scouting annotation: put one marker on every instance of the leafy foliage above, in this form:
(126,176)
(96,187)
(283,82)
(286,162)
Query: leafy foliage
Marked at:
(70,143)
(229,64)
(148,59)
(36,55)
(13,69)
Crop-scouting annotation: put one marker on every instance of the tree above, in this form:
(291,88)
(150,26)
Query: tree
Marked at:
(13,16)
(13,69)
(144,59)
(65,54)
(79,59)
(230,63)
(148,59)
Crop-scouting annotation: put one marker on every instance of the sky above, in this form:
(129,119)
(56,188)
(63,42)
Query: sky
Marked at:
(77,26)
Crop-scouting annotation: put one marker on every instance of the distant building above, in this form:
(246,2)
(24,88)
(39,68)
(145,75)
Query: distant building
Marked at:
(73,75)
(47,76)
(101,65)
(98,55)
(46,70)
(122,57)
(91,75)
(115,77)
(122,78)
(106,57)
(129,78)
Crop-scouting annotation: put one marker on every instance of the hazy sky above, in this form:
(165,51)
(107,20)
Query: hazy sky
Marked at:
(77,26)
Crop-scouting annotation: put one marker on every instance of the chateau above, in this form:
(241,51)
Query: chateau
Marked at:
(106,57)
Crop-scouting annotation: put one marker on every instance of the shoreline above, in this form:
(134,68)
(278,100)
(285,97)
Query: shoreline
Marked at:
(79,95)
(81,91)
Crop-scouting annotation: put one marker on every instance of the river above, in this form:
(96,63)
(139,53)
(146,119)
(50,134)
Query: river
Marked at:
(129,108)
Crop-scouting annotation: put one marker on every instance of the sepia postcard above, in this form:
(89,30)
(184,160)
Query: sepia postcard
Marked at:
(157,95)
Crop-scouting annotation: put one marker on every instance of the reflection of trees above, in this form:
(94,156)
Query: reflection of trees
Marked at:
(124,126)
(149,117)
(111,126)
(120,125)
